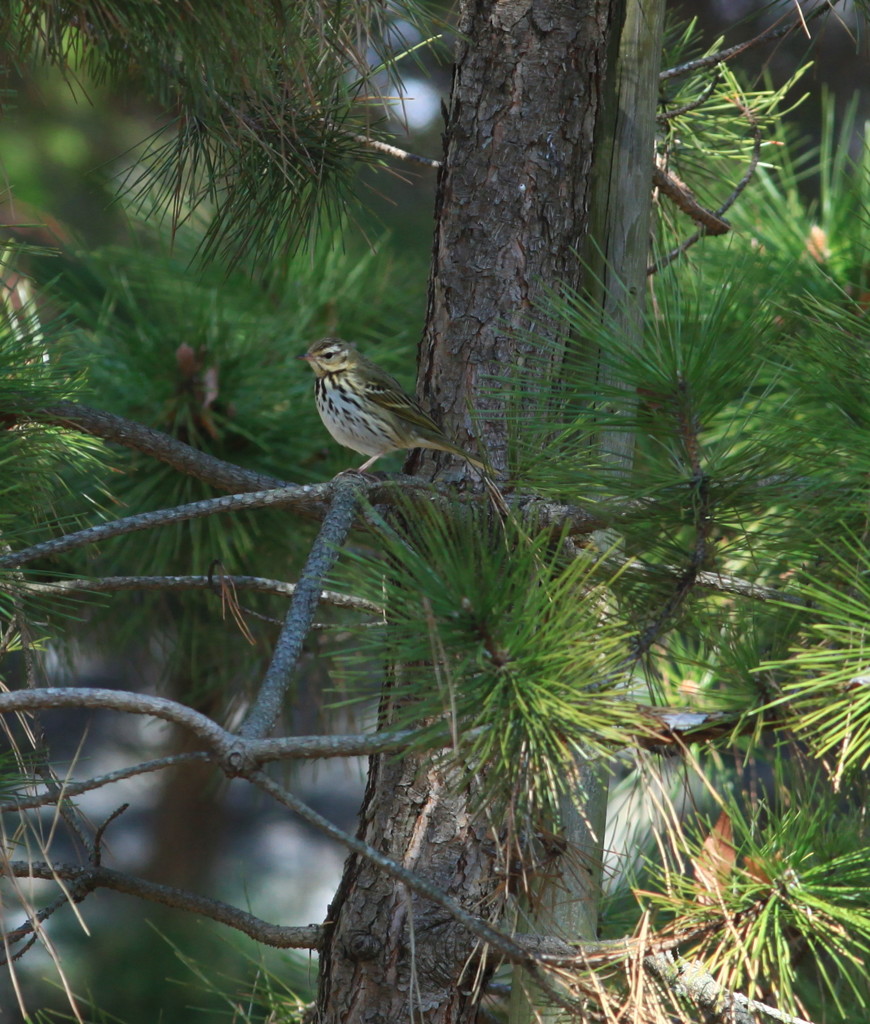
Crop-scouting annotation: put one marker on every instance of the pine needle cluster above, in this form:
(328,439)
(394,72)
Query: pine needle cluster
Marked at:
(505,647)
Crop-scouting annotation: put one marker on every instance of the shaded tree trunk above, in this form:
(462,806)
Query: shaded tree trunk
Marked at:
(389,955)
(512,210)
(514,193)
(567,906)
(188,820)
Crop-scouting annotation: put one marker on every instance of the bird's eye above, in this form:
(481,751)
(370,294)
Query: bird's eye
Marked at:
(327,355)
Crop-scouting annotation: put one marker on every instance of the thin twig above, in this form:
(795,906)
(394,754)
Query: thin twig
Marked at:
(9,956)
(709,580)
(71,789)
(67,810)
(687,433)
(101,831)
(748,174)
(734,51)
(33,729)
(324,551)
(684,199)
(401,154)
(29,927)
(699,101)
(161,446)
(554,951)
(149,520)
(86,879)
(505,944)
(113,584)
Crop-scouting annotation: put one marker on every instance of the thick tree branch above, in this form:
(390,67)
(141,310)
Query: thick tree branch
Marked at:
(718,1004)
(118,700)
(526,949)
(531,951)
(349,745)
(221,744)
(324,551)
(309,500)
(659,727)
(312,500)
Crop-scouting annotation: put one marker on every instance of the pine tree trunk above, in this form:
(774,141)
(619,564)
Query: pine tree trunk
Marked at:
(512,210)
(514,192)
(390,956)
(567,906)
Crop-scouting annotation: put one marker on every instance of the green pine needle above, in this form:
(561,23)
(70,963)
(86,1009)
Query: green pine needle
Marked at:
(520,655)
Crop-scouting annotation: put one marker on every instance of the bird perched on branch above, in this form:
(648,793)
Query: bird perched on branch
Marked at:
(366,409)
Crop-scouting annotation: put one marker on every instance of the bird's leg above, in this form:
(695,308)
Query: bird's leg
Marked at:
(361,471)
(367,463)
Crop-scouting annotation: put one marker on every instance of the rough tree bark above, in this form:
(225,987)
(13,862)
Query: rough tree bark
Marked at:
(512,210)
(514,192)
(616,253)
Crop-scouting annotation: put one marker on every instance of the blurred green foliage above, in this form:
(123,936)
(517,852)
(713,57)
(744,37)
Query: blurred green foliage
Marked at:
(747,403)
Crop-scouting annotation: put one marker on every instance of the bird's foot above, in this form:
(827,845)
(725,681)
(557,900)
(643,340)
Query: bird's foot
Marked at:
(371,477)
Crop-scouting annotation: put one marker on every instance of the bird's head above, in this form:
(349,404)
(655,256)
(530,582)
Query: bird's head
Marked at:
(331,355)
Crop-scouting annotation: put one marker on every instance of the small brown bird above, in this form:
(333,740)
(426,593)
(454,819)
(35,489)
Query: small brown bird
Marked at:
(366,409)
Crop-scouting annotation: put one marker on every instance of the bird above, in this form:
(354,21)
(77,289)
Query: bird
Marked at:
(366,409)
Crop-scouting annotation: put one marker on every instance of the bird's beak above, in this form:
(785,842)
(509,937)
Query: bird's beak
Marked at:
(305,356)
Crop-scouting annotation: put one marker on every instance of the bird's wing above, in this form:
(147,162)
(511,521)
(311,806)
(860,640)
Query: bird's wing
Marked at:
(389,394)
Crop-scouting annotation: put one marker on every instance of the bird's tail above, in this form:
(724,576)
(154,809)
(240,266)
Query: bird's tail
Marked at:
(495,495)
(463,454)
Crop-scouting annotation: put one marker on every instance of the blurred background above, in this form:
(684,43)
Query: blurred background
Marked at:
(66,151)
